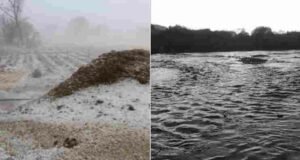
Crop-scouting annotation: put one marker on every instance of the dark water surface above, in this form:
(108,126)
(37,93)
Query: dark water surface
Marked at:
(213,107)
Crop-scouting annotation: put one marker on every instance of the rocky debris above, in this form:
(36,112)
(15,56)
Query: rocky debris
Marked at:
(70,142)
(108,68)
(99,102)
(59,107)
(100,114)
(24,110)
(131,108)
(252,60)
(36,73)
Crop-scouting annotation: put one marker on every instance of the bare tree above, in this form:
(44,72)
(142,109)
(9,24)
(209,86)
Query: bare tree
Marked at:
(12,9)
(8,33)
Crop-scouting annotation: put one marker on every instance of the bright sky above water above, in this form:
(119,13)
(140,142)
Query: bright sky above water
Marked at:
(280,15)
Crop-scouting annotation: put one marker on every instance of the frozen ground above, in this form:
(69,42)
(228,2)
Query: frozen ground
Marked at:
(54,64)
(125,103)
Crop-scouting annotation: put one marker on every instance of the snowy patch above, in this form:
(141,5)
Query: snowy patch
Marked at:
(126,102)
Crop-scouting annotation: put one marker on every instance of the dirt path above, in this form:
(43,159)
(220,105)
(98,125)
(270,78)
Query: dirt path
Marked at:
(9,79)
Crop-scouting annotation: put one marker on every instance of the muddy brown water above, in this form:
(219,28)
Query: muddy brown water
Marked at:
(213,107)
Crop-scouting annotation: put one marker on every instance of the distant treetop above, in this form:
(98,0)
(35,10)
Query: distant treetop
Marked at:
(178,39)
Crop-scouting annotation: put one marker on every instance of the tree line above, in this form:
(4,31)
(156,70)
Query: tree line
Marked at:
(178,39)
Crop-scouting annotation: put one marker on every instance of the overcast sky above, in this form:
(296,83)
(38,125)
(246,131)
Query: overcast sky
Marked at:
(228,14)
(114,13)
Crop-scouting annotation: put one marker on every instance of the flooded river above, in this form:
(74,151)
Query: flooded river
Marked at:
(213,107)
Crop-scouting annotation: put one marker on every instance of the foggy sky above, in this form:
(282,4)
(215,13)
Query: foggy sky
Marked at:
(128,21)
(228,14)
(114,13)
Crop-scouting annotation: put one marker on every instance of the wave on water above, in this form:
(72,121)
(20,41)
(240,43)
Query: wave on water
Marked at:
(215,107)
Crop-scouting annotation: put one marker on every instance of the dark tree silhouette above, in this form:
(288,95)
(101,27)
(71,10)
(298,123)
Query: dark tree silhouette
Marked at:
(177,39)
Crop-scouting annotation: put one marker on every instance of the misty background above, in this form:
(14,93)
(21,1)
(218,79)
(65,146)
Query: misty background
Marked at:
(106,24)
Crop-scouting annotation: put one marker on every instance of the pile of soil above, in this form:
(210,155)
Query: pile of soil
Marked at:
(107,69)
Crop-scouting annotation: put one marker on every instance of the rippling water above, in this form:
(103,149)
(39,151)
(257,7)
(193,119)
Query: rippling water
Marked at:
(213,107)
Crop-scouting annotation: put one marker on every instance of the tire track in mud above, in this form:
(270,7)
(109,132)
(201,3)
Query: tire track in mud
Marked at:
(20,60)
(59,62)
(49,61)
(8,60)
(14,60)
(84,58)
(74,58)
(71,62)
(24,61)
(28,62)
(48,68)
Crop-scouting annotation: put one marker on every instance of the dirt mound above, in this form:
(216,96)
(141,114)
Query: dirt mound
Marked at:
(107,69)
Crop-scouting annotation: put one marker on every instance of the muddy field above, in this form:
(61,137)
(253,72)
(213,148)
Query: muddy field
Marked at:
(29,74)
(98,122)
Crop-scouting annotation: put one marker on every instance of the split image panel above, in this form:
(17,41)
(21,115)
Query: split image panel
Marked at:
(149,79)
(225,80)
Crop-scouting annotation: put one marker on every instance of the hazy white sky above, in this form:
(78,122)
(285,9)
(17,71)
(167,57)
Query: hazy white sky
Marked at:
(228,14)
(114,13)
